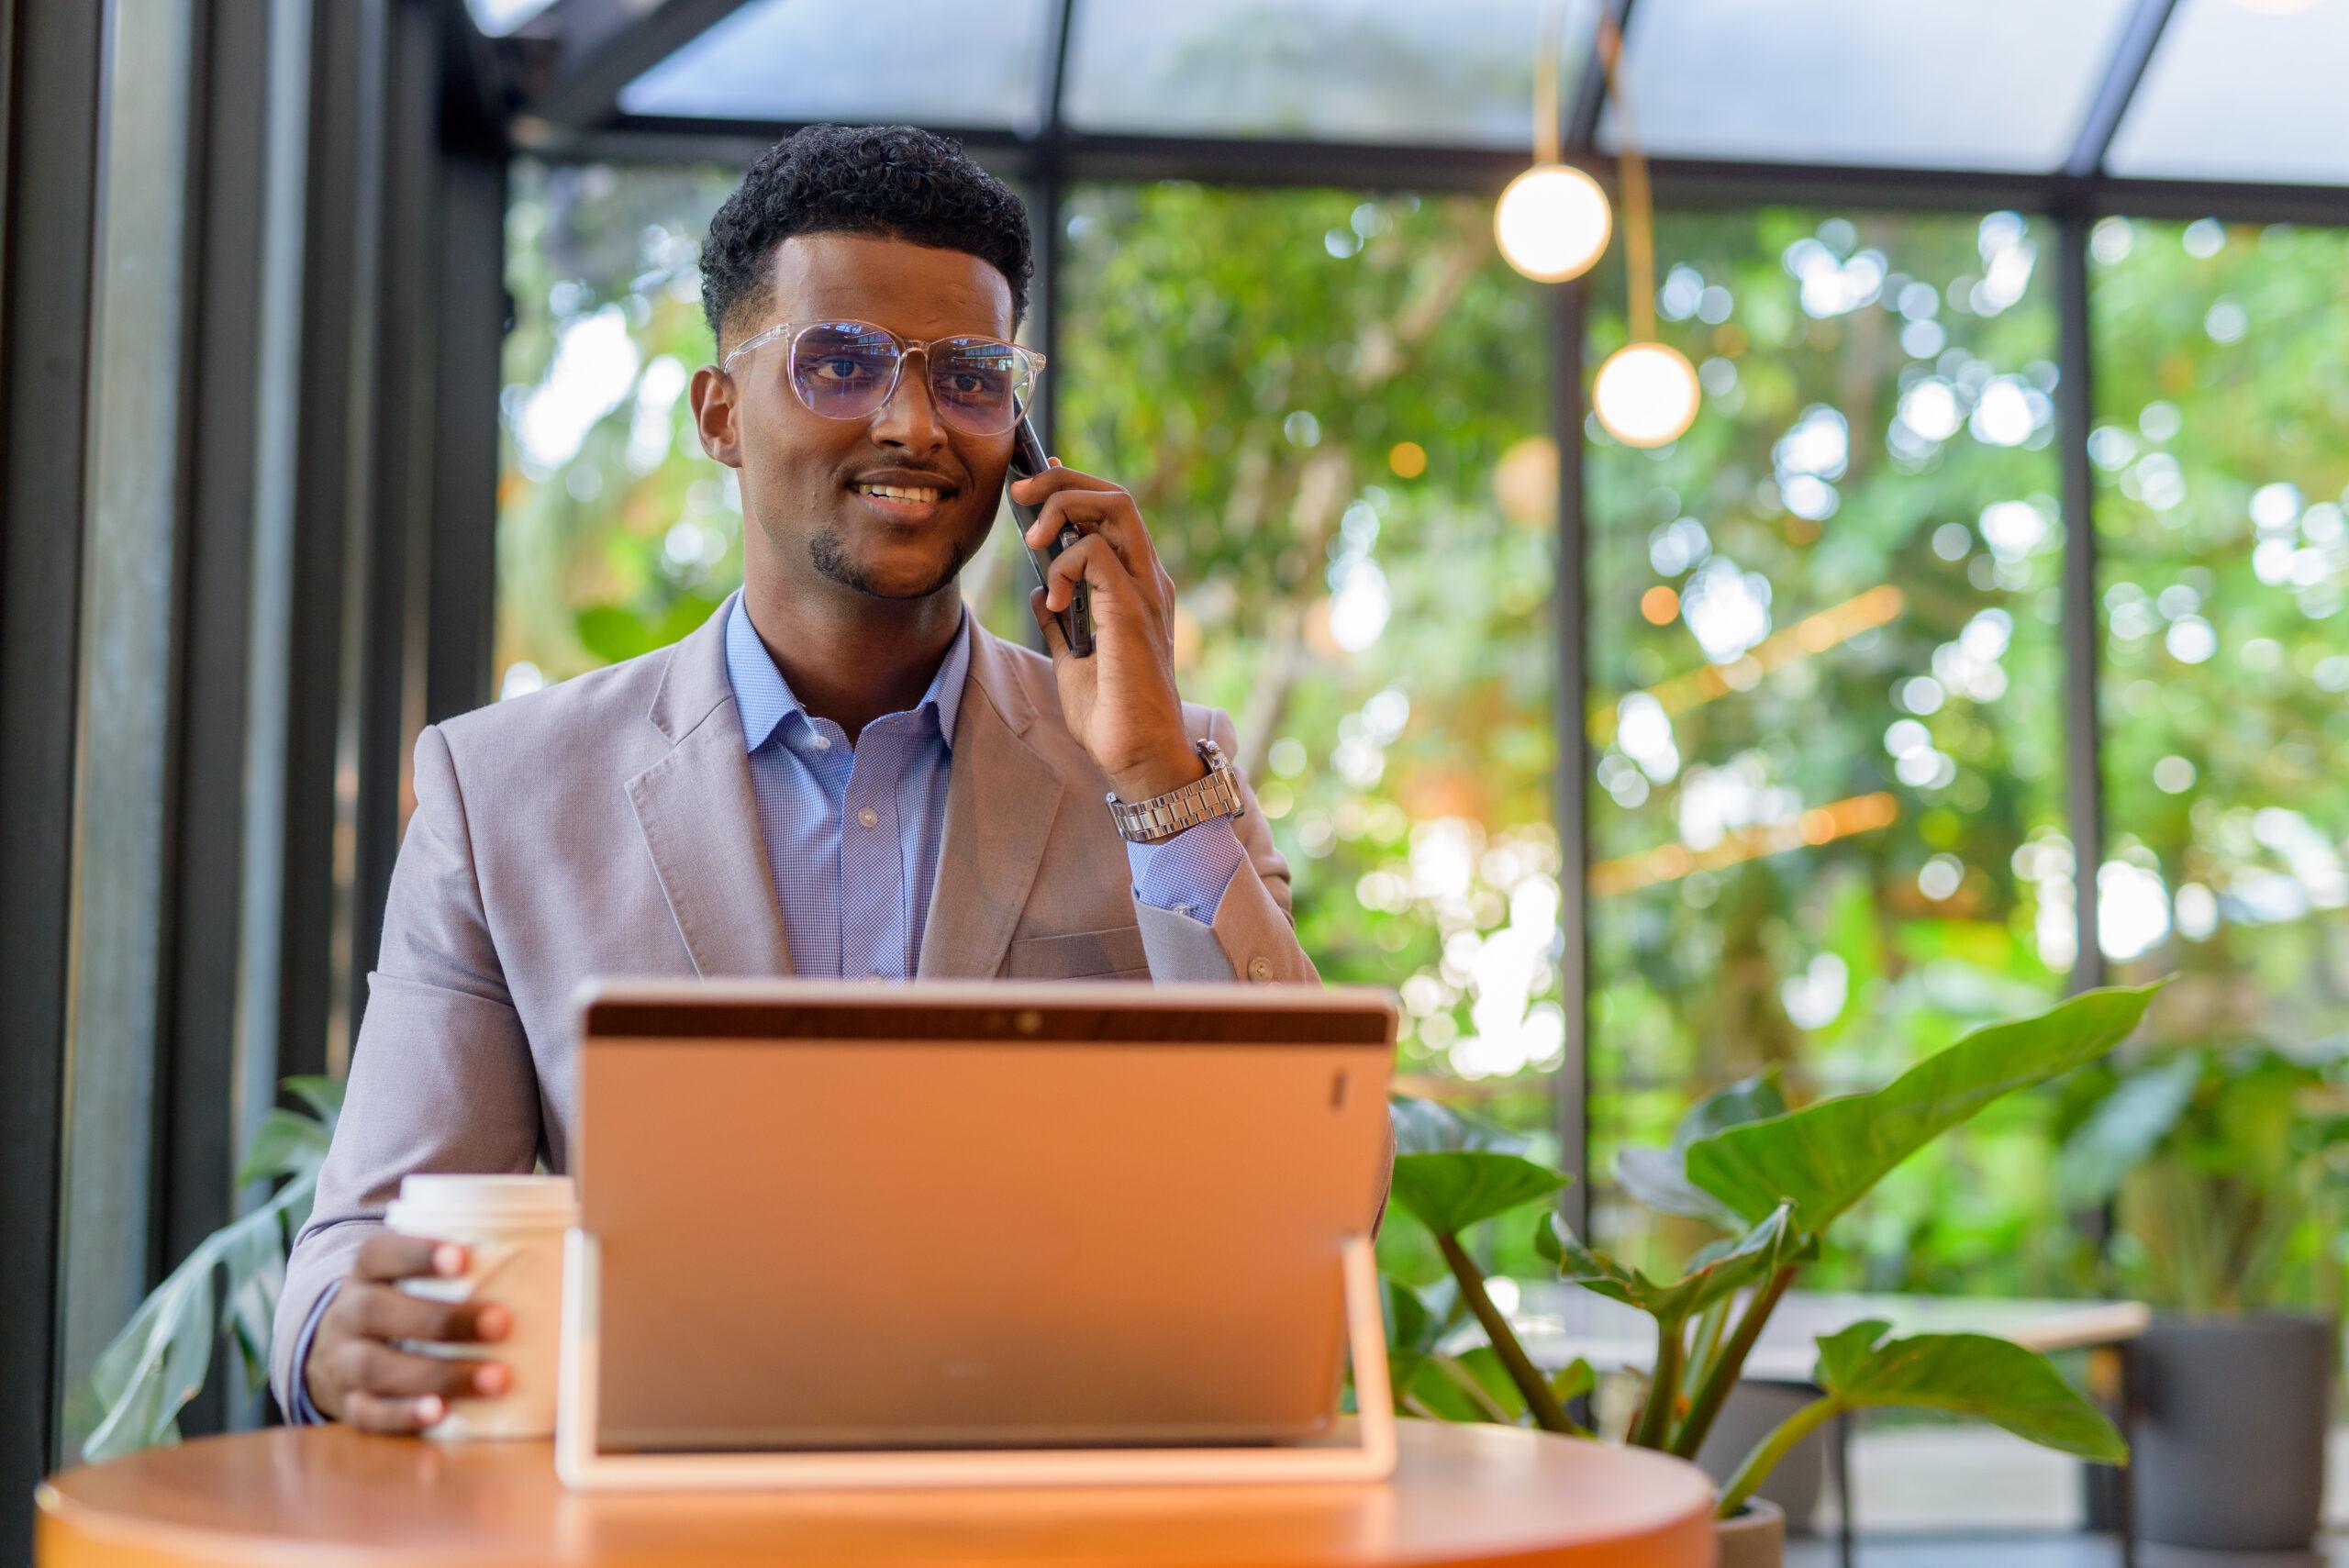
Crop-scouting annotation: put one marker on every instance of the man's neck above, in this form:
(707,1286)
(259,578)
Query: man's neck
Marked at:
(849,656)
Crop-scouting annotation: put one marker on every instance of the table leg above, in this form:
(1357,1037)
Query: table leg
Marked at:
(1844,1507)
(2124,1480)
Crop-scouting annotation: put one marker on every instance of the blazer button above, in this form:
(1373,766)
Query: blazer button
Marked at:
(1259,970)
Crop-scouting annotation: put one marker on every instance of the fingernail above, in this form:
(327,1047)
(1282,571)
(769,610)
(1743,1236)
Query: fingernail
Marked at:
(490,1378)
(429,1408)
(493,1323)
(448,1258)
(1053,461)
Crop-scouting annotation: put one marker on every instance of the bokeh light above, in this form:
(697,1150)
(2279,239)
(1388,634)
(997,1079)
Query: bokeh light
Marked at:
(1645,394)
(1553,222)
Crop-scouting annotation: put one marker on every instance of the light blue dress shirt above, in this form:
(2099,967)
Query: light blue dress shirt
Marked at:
(852,836)
(852,833)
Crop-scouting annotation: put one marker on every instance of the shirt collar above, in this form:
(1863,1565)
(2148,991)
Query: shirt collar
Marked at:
(764,700)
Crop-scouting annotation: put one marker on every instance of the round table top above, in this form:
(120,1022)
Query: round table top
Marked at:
(1461,1494)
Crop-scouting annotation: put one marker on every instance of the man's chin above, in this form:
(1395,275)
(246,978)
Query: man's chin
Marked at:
(905,572)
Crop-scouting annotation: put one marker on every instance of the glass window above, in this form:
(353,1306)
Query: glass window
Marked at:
(2242,90)
(1342,70)
(1329,406)
(2222,515)
(1827,820)
(838,60)
(1988,84)
(615,533)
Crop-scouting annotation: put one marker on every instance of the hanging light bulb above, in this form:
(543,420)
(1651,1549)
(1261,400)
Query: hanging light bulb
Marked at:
(1553,222)
(1645,394)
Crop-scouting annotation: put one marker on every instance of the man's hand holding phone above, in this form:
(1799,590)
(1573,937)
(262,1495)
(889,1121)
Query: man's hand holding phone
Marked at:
(1120,704)
(358,1371)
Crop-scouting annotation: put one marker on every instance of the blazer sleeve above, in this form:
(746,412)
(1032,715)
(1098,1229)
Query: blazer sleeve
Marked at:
(441,1075)
(1254,937)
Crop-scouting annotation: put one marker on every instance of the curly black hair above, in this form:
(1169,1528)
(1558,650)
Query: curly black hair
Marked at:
(892,179)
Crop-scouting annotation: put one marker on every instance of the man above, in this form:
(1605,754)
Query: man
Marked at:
(839,775)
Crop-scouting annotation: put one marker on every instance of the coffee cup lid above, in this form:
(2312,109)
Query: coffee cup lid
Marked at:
(520,1197)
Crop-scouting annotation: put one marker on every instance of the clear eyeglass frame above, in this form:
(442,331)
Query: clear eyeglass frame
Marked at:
(789,332)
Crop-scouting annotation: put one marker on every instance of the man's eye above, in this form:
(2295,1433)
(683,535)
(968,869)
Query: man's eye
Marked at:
(840,367)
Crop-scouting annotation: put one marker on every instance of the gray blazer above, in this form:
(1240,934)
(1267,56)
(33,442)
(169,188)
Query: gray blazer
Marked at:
(605,826)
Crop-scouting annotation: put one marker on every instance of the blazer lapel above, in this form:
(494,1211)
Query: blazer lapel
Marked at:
(1001,803)
(700,819)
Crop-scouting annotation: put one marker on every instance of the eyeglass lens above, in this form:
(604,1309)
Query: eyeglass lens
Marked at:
(844,370)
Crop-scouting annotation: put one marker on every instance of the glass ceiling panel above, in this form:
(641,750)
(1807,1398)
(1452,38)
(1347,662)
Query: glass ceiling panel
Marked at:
(2236,92)
(848,60)
(1989,84)
(1401,71)
(498,18)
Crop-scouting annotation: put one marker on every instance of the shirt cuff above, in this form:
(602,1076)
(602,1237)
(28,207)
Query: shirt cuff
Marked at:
(301,1412)
(1188,874)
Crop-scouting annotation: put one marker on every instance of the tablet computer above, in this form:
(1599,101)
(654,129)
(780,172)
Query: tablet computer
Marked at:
(838,1216)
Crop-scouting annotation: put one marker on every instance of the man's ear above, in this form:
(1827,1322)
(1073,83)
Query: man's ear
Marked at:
(717,418)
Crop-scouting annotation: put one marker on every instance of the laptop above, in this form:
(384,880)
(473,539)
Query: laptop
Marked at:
(841,1219)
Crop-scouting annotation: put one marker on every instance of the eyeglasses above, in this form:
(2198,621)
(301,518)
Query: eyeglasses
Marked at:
(848,370)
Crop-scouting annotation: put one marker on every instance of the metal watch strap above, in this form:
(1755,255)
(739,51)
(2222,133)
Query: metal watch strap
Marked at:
(1163,815)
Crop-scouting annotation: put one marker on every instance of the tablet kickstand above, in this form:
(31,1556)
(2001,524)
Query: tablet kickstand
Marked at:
(582,1466)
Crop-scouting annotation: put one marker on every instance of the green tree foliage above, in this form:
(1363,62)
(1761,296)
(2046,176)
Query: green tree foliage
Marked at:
(2222,394)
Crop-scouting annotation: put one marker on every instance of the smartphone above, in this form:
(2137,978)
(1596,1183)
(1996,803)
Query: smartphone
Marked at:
(1028,457)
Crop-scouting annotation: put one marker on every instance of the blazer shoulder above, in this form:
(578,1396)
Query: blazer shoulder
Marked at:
(604,711)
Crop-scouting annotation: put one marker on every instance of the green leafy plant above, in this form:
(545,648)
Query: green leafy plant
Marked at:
(2220,1163)
(1774,1177)
(227,1288)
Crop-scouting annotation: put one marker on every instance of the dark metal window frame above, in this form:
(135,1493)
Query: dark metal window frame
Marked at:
(574,60)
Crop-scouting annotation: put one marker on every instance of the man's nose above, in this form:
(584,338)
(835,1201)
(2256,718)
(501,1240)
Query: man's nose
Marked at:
(910,419)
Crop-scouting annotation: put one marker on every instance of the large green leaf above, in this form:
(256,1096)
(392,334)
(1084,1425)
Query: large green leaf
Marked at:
(2125,1127)
(1430,1127)
(1412,1324)
(1824,1158)
(322,1094)
(285,1145)
(1659,1177)
(228,1286)
(1449,1193)
(1973,1374)
(155,1366)
(1715,1272)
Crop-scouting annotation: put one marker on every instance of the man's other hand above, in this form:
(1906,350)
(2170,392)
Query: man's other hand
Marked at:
(358,1374)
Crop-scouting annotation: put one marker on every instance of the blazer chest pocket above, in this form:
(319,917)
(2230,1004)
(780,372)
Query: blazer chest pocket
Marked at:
(1112,952)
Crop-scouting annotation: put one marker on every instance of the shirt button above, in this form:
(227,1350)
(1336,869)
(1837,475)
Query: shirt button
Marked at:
(1259,970)
(868,816)
(823,743)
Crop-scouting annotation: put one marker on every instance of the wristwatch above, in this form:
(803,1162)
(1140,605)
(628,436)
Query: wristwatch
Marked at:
(1163,815)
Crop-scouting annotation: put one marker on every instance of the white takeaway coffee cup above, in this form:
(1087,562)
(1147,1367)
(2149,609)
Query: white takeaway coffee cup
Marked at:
(511,1228)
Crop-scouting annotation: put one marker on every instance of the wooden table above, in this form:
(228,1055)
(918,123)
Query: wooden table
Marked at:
(1462,1494)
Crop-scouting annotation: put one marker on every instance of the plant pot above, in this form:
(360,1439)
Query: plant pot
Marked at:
(2230,1453)
(1751,1413)
(1755,1538)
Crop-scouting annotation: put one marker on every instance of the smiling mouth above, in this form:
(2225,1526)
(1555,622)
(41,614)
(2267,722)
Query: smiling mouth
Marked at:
(903,502)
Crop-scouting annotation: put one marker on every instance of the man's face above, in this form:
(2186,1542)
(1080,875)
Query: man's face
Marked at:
(797,467)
